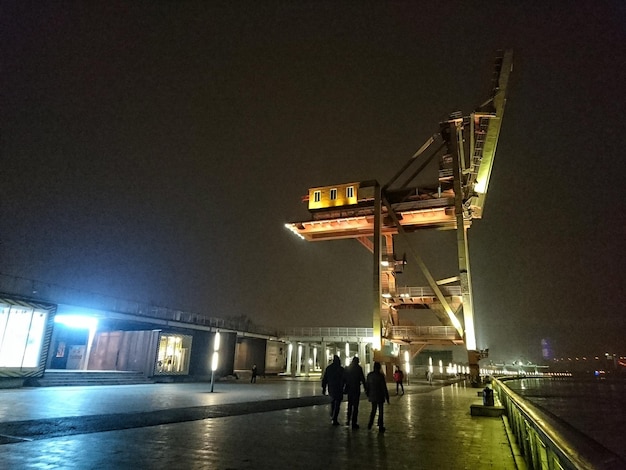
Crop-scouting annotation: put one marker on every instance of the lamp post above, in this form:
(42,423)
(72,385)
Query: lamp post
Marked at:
(214,360)
(407,366)
(430,370)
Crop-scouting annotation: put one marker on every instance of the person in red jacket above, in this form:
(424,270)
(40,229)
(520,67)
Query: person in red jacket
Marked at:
(398,377)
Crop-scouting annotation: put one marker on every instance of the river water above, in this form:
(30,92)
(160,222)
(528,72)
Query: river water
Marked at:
(596,407)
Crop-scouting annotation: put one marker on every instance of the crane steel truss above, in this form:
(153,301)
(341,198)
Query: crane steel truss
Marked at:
(465,146)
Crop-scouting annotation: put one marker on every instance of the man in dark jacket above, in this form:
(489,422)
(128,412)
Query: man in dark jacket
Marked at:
(354,379)
(333,379)
(377,394)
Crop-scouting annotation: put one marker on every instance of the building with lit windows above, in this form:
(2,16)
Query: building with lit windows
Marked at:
(164,345)
(41,338)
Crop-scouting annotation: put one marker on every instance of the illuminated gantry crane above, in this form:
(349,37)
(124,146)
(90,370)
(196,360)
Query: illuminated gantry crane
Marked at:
(449,197)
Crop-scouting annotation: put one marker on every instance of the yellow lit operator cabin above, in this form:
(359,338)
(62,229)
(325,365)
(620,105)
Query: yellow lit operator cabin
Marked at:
(333,196)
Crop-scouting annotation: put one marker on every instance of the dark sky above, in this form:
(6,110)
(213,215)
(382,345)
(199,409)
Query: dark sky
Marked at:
(154,150)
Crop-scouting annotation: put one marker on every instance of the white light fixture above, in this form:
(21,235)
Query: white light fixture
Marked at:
(77,321)
(216,342)
(407,365)
(215,358)
(293,230)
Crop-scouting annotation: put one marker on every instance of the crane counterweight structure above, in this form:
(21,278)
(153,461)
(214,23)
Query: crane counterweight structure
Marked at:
(374,214)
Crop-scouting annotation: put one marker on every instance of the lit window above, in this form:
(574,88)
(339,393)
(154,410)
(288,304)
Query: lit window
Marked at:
(333,194)
(350,191)
(317,196)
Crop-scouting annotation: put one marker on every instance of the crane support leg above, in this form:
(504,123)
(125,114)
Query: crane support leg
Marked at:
(422,266)
(455,148)
(376,294)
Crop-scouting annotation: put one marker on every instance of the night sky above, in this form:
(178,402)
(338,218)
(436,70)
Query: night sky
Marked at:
(153,151)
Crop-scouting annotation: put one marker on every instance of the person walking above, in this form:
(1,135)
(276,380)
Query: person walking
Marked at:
(333,380)
(398,377)
(377,394)
(354,379)
(254,374)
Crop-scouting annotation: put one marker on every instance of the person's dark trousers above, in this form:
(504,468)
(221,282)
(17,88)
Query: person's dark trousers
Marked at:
(334,409)
(381,420)
(398,386)
(353,409)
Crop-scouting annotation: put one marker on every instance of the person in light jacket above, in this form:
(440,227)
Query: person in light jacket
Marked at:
(377,394)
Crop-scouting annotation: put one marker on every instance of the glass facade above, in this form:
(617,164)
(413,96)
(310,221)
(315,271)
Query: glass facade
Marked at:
(173,354)
(22,336)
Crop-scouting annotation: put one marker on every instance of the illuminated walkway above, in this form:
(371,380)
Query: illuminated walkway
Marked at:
(274,424)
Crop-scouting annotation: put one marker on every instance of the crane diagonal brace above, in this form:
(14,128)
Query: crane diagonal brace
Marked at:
(429,277)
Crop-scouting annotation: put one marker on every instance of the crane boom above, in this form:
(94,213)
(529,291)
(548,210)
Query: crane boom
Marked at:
(486,123)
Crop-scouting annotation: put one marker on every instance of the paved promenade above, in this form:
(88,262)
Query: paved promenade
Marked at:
(273,424)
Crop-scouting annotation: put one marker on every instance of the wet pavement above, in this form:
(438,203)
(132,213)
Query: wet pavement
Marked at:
(273,424)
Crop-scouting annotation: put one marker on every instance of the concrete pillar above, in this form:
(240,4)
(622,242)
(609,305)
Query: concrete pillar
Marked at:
(307,358)
(361,348)
(289,359)
(364,360)
(92,335)
(323,356)
(299,360)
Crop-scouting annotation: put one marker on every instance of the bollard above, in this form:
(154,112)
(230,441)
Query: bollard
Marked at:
(488,397)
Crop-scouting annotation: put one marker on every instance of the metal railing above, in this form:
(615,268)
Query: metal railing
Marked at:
(547,442)
(56,294)
(53,293)
(327,332)
(422,332)
(427,291)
